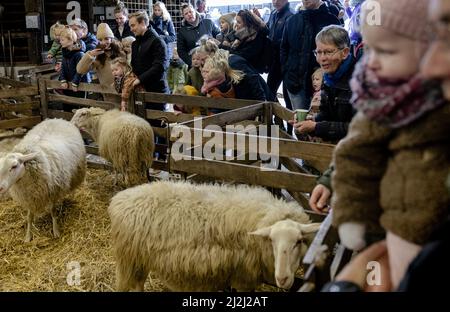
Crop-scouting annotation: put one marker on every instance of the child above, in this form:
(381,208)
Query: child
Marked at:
(187,90)
(55,51)
(317,78)
(389,168)
(219,78)
(226,35)
(126,44)
(195,78)
(72,54)
(124,80)
(178,72)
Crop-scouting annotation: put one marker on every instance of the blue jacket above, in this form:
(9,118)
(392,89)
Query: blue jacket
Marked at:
(166,31)
(297,57)
(90,41)
(69,66)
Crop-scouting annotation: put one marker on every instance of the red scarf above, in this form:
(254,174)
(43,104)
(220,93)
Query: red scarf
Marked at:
(209,84)
(394,103)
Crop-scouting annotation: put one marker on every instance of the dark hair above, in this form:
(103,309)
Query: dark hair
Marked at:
(116,51)
(251,20)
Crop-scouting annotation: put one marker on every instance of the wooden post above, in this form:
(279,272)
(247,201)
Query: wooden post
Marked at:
(44,98)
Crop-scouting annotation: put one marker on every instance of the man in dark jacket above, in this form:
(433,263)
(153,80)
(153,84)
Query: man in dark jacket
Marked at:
(277,21)
(192,28)
(297,45)
(149,57)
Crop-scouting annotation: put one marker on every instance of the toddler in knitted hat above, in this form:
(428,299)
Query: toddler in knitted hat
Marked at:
(383,153)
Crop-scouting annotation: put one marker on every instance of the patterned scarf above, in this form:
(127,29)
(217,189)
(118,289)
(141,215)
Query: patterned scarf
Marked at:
(394,103)
(210,84)
(118,83)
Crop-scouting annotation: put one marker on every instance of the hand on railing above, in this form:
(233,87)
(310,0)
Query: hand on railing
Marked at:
(320,198)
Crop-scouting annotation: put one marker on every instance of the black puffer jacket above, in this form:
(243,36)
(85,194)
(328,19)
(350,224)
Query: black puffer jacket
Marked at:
(150,62)
(336,111)
(297,58)
(188,36)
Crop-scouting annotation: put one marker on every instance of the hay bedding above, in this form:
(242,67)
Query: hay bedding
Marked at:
(42,265)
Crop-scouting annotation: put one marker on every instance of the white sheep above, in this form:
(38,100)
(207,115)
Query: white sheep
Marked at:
(206,237)
(124,139)
(43,167)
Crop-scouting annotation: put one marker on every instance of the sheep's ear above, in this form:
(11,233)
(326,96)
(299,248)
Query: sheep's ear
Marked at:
(27,157)
(310,228)
(74,111)
(264,232)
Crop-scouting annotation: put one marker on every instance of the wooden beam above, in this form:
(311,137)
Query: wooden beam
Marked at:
(14,83)
(201,101)
(60,114)
(11,93)
(171,117)
(42,84)
(89,87)
(246,174)
(83,102)
(20,107)
(20,122)
(282,112)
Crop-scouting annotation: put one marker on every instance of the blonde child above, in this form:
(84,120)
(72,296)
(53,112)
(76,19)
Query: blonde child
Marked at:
(72,54)
(55,51)
(177,74)
(194,77)
(388,170)
(317,79)
(124,80)
(219,77)
(226,36)
(126,46)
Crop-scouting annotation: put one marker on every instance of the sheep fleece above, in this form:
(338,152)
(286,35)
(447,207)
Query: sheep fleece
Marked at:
(195,237)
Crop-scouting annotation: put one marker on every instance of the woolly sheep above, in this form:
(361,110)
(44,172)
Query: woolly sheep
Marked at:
(124,139)
(43,167)
(206,237)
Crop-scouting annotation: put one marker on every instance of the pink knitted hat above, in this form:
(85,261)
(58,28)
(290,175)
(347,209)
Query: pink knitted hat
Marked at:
(408,18)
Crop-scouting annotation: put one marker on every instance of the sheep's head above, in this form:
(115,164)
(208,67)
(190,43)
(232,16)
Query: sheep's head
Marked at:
(82,117)
(12,168)
(288,243)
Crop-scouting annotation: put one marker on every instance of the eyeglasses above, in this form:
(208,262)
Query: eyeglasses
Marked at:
(326,53)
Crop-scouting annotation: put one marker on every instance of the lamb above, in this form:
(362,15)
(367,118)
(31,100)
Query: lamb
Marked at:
(43,167)
(206,237)
(124,139)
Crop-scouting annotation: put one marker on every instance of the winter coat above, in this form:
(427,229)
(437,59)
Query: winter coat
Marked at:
(177,74)
(252,49)
(69,66)
(195,79)
(188,36)
(297,57)
(56,51)
(125,33)
(166,31)
(150,62)
(276,23)
(336,111)
(394,177)
(90,41)
(252,86)
(125,86)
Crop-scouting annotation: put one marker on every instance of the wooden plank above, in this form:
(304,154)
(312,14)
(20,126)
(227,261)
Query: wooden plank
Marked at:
(96,165)
(171,117)
(89,87)
(161,132)
(160,165)
(246,174)
(60,114)
(282,112)
(229,117)
(20,122)
(201,101)
(11,93)
(91,150)
(14,83)
(82,102)
(20,107)
(44,97)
